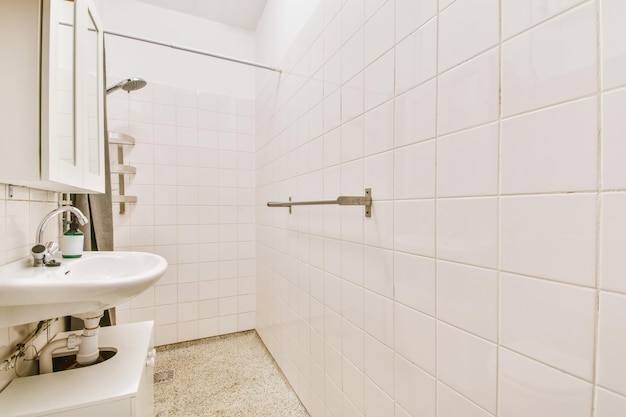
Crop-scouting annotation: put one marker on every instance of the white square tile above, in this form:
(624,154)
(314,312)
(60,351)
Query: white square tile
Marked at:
(467,297)
(467,28)
(518,16)
(354,387)
(332,148)
(187,311)
(379,81)
(332,43)
(352,98)
(186,116)
(416,57)
(528,388)
(332,328)
(411,14)
(378,319)
(227,324)
(414,227)
(165,335)
(416,114)
(352,344)
(378,131)
(379,364)
(352,262)
(611,330)
(352,140)
(378,271)
(208,327)
(415,337)
(613,242)
(379,175)
(451,404)
(468,365)
(613,144)
(551,150)
(414,167)
(227,104)
(550,236)
(467,162)
(557,330)
(332,256)
(552,63)
(379,32)
(613,48)
(352,55)
(352,307)
(415,390)
(332,110)
(609,404)
(467,230)
(187,331)
(352,18)
(165,314)
(469,95)
(377,402)
(414,282)
(163,114)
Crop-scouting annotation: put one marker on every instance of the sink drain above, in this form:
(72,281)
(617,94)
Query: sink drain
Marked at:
(163,376)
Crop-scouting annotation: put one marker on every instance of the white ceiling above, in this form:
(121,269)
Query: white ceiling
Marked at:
(242,13)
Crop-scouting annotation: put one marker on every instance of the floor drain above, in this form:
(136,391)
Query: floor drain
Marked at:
(163,376)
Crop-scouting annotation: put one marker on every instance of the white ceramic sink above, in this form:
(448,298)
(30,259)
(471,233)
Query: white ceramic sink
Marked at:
(96,281)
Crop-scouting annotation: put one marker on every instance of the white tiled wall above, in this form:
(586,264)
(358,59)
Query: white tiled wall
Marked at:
(21,211)
(195,179)
(490,280)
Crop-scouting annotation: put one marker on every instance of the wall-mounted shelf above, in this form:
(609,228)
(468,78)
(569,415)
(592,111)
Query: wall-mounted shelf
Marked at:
(116,138)
(121,140)
(123,169)
(122,199)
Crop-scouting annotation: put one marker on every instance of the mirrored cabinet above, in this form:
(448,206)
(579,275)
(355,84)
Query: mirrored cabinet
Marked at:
(52,114)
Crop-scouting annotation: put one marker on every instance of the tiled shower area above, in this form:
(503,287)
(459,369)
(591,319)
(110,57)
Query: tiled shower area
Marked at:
(490,279)
(194,183)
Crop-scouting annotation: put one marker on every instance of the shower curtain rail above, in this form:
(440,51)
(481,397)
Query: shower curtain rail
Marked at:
(192,50)
(365,200)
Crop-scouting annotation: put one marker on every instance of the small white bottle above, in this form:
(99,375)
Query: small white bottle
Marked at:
(72,241)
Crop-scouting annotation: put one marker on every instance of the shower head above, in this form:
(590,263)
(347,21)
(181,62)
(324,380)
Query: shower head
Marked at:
(128,85)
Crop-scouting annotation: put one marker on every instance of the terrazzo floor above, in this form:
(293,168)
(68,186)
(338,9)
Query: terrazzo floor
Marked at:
(226,376)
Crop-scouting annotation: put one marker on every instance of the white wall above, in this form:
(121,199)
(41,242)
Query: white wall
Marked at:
(21,211)
(163,65)
(281,22)
(490,279)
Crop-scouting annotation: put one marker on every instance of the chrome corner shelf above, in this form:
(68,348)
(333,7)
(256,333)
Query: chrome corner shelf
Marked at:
(121,140)
(365,200)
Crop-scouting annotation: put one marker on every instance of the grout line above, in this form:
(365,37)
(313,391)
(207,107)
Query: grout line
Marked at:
(599,200)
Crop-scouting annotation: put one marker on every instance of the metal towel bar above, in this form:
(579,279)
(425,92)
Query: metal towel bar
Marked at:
(365,200)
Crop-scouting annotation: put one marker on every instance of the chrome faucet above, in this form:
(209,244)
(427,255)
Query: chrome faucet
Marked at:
(42,252)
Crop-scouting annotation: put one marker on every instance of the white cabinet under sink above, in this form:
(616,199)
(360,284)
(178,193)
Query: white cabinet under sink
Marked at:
(52,101)
(121,386)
